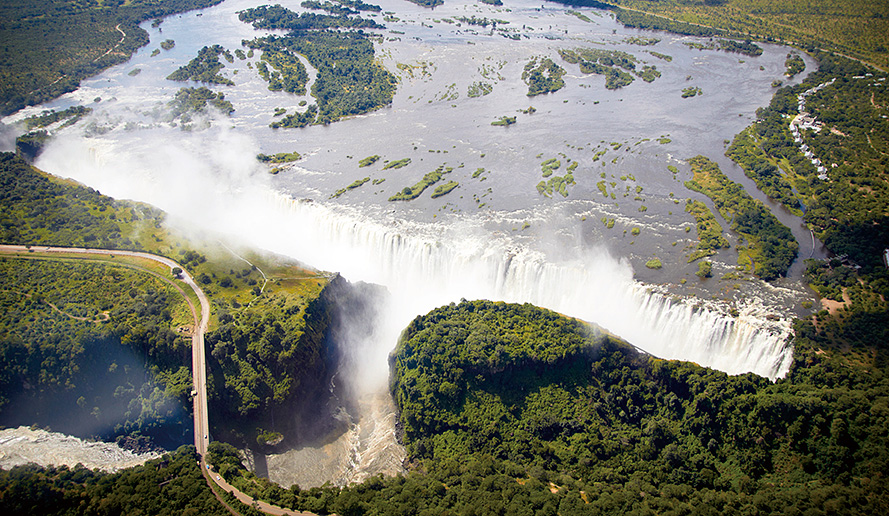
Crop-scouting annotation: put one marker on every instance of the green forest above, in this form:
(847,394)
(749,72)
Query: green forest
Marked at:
(49,47)
(513,409)
(857,27)
(170,485)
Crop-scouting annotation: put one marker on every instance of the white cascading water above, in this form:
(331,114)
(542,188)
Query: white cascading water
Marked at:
(423,272)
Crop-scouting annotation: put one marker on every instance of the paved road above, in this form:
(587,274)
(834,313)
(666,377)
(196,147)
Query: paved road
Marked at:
(199,368)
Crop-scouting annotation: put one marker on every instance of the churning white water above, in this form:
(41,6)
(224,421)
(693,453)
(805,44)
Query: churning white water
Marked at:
(425,266)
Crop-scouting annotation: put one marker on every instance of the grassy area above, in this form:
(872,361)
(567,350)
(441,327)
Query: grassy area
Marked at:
(859,28)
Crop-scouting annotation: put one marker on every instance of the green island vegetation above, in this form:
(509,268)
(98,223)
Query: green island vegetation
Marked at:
(409,193)
(705,269)
(859,28)
(49,47)
(548,166)
(642,41)
(663,57)
(479,89)
(190,101)
(289,74)
(204,68)
(442,190)
(368,161)
(480,174)
(794,64)
(555,183)
(297,119)
(481,22)
(603,62)
(399,163)
(504,121)
(654,263)
(543,75)
(168,44)
(771,247)
(710,237)
(691,91)
(349,81)
(281,157)
(355,184)
(170,484)
(728,45)
(71,116)
(580,16)
(427,3)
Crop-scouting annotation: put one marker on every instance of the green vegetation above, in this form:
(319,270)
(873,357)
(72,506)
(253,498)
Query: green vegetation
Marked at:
(49,47)
(349,82)
(190,101)
(604,62)
(168,44)
(691,91)
(281,157)
(705,269)
(410,193)
(269,321)
(290,74)
(580,16)
(555,183)
(427,3)
(204,68)
(72,115)
(857,27)
(171,484)
(399,163)
(368,161)
(642,41)
(771,247)
(89,349)
(444,189)
(728,45)
(658,55)
(297,119)
(794,64)
(479,89)
(39,209)
(846,206)
(710,237)
(355,184)
(747,151)
(654,263)
(543,76)
(504,121)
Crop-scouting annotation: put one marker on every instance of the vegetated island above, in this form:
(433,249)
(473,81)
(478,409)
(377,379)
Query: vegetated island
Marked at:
(410,193)
(770,247)
(205,67)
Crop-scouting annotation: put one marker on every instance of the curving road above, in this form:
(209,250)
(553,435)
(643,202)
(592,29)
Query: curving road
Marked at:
(198,369)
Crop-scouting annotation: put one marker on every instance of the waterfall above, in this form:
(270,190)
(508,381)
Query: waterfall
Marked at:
(428,265)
